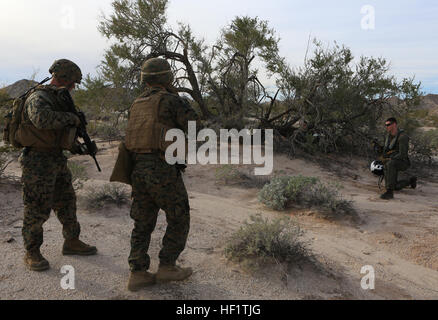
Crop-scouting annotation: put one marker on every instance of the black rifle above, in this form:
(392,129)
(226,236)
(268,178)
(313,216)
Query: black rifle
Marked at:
(381,151)
(378,148)
(82,129)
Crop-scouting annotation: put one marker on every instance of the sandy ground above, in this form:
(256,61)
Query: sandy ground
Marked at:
(399,239)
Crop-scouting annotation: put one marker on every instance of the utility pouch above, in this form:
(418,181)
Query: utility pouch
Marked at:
(123,168)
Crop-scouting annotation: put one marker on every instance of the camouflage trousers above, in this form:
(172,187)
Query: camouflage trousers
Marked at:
(391,170)
(47,185)
(157,185)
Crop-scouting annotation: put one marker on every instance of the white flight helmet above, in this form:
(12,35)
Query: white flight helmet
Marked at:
(377,168)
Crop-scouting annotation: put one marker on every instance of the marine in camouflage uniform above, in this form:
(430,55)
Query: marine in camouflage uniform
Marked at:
(45,131)
(156,184)
(396,159)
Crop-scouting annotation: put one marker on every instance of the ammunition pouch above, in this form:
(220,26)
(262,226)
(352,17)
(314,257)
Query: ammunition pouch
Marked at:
(29,136)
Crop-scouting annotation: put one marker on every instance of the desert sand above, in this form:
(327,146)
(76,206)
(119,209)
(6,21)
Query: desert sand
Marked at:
(398,238)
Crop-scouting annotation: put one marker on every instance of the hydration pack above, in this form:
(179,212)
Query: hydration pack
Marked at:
(14,116)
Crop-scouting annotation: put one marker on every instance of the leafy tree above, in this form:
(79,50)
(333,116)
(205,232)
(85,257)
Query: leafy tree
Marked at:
(99,100)
(139,30)
(233,80)
(341,103)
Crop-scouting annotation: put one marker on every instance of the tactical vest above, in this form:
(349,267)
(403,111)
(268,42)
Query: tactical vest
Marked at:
(145,133)
(392,144)
(30,136)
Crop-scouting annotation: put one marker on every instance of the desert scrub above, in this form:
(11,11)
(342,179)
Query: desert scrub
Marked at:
(95,198)
(78,173)
(103,130)
(9,149)
(263,241)
(424,147)
(230,175)
(4,162)
(282,191)
(287,191)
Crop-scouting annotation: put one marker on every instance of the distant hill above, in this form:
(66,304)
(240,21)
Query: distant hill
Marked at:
(18,88)
(430,102)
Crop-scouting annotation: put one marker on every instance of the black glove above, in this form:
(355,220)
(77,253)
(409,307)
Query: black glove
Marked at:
(79,148)
(181,167)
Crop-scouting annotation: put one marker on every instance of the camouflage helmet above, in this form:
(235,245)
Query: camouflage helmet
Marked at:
(66,70)
(156,71)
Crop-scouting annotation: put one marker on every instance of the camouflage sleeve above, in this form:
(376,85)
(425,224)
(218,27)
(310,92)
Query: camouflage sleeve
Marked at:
(180,110)
(42,116)
(403,148)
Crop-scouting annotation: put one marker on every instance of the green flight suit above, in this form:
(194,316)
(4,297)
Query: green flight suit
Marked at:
(398,160)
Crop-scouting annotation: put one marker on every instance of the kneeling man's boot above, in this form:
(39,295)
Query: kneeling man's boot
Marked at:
(77,247)
(140,279)
(168,273)
(35,261)
(413,182)
(389,194)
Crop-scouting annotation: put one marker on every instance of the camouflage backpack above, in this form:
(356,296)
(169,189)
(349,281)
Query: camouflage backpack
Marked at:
(13,117)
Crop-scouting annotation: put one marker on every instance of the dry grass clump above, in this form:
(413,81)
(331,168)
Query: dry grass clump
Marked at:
(96,198)
(230,175)
(260,242)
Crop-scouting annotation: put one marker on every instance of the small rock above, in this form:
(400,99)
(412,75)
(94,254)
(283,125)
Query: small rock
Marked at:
(366,253)
(397,235)
(10,240)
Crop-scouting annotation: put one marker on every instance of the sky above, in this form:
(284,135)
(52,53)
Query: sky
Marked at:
(35,33)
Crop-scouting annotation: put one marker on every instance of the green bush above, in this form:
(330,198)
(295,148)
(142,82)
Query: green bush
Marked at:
(229,174)
(286,191)
(112,194)
(104,130)
(79,174)
(434,120)
(263,241)
(424,146)
(282,191)
(419,113)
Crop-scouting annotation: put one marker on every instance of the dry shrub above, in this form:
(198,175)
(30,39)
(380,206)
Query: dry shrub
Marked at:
(260,242)
(79,174)
(286,191)
(230,175)
(97,198)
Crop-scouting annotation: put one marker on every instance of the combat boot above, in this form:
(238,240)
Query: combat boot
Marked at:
(77,247)
(35,261)
(140,279)
(413,182)
(389,194)
(168,273)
